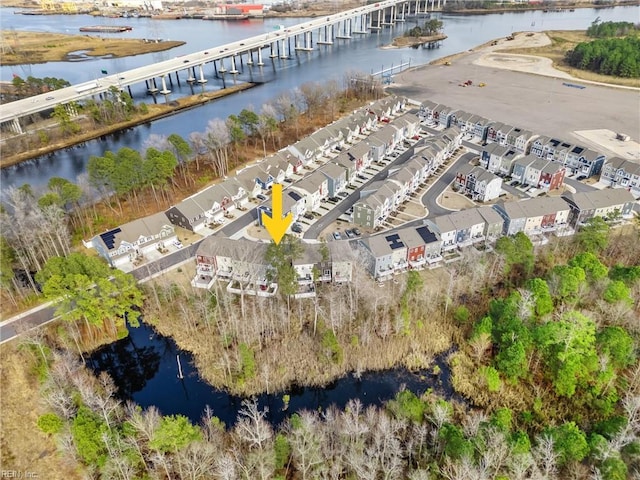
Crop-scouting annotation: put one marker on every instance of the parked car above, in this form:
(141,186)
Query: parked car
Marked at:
(343,194)
(49,98)
(349,233)
(308,216)
(261,197)
(296,227)
(361,177)
(288,180)
(337,236)
(177,244)
(334,199)
(350,211)
(356,232)
(581,177)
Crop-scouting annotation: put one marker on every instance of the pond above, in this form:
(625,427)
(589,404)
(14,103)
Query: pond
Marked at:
(144,367)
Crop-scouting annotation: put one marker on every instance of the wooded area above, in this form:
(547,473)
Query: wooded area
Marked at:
(609,56)
(546,357)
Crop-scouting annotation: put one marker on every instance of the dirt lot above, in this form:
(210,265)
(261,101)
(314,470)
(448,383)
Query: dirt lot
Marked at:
(534,102)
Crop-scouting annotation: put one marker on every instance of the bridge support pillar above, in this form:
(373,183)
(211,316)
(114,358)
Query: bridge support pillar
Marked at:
(274,49)
(283,52)
(15,126)
(165,90)
(201,79)
(178,79)
(233,70)
(129,88)
(71,109)
(250,57)
(260,62)
(222,69)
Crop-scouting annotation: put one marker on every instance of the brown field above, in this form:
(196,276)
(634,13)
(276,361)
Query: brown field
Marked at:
(563,41)
(20,47)
(23,447)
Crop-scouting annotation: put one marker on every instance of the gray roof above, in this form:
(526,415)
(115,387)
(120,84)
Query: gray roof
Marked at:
(490,215)
(311,182)
(429,105)
(628,166)
(460,220)
(535,207)
(496,149)
(332,170)
(310,255)
(359,150)
(241,249)
(607,197)
(552,167)
(146,226)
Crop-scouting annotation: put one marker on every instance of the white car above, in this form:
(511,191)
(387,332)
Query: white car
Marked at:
(177,244)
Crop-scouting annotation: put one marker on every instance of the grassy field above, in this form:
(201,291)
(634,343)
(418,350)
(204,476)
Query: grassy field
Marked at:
(561,42)
(38,47)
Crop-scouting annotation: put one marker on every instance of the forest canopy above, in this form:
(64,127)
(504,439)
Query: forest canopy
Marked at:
(609,54)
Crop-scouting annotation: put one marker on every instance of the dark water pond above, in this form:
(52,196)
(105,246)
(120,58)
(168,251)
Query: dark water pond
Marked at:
(145,369)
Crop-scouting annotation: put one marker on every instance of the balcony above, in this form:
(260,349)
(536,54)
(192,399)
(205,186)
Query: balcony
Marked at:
(203,281)
(305,291)
(417,264)
(224,274)
(266,289)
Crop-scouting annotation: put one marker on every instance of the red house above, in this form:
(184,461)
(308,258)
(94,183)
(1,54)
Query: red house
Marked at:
(552,176)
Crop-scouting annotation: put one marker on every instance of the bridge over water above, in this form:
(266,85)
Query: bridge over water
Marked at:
(226,59)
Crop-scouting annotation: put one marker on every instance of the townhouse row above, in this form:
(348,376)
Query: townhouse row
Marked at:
(381,198)
(506,143)
(242,265)
(345,147)
(418,247)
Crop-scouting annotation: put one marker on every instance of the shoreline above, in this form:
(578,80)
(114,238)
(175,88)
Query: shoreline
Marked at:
(184,103)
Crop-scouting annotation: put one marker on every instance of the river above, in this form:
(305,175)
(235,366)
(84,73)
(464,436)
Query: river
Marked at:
(144,367)
(327,62)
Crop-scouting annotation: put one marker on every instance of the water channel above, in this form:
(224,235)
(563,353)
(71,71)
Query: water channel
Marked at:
(363,54)
(144,367)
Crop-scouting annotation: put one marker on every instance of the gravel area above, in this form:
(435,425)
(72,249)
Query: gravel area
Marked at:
(538,103)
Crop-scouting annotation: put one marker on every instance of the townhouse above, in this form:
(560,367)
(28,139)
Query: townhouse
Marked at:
(360,155)
(135,239)
(583,161)
(209,206)
(621,173)
(390,253)
(534,216)
(243,264)
(498,159)
(467,227)
(372,210)
(551,177)
(519,139)
(520,167)
(292,202)
(336,178)
(478,183)
(306,150)
(314,187)
(240,262)
(608,203)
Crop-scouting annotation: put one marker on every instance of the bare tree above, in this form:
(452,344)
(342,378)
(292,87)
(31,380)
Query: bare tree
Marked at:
(545,457)
(305,440)
(217,139)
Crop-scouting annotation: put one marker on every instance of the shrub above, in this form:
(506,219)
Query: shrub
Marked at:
(50,423)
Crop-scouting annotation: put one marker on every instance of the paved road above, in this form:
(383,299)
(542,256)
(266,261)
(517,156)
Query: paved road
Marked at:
(429,200)
(331,216)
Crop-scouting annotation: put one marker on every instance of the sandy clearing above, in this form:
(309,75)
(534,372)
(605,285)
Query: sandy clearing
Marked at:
(629,150)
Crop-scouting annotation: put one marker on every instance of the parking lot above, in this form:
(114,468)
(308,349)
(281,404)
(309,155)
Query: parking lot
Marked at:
(538,103)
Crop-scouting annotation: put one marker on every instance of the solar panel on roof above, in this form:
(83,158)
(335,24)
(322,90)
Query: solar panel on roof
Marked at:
(427,235)
(578,150)
(109,238)
(295,196)
(394,241)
